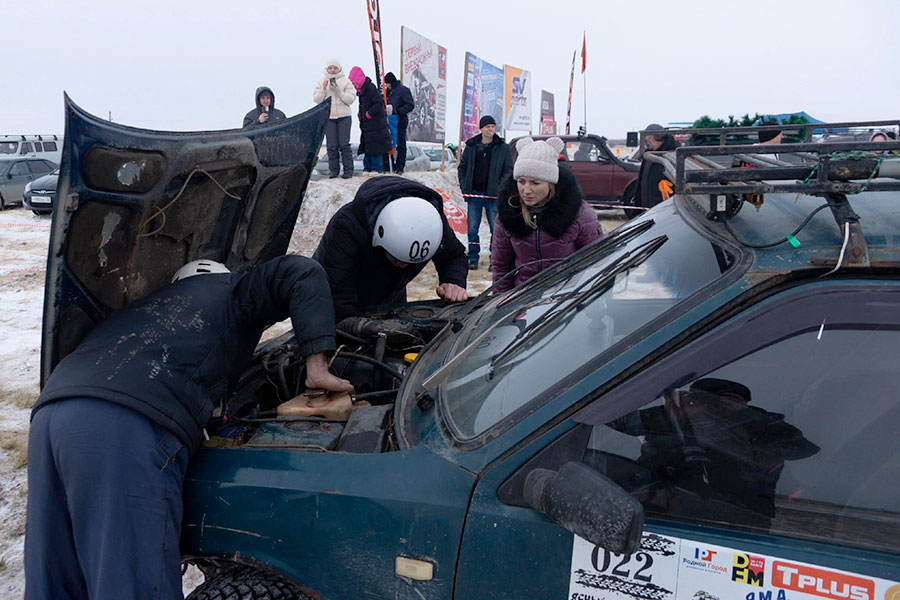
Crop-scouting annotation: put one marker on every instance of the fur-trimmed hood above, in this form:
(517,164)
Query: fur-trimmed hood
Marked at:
(555,219)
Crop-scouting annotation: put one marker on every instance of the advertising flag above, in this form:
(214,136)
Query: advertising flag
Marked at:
(517,99)
(584,53)
(482,95)
(424,68)
(571,83)
(548,114)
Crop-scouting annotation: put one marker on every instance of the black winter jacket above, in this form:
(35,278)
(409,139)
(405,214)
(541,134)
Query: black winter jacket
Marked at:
(501,164)
(251,119)
(401,99)
(173,355)
(647,192)
(360,274)
(376,136)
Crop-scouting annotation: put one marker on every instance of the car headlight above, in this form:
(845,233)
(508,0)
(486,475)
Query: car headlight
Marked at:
(28,187)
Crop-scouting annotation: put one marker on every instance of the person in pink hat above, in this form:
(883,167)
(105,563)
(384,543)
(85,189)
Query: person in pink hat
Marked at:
(375,136)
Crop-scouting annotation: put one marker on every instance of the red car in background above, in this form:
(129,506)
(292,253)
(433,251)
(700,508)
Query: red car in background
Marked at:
(604,177)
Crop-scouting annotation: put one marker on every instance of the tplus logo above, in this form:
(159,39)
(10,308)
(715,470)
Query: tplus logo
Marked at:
(748,569)
(704,555)
(822,583)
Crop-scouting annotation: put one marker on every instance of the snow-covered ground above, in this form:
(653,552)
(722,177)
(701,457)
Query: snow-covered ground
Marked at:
(23,255)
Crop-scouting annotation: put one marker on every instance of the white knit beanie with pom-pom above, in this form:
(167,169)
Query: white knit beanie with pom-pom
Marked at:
(538,159)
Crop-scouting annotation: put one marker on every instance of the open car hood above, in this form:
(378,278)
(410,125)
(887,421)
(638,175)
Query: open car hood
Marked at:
(134,205)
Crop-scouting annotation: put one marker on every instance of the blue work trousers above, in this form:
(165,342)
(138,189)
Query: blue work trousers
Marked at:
(104,504)
(473,221)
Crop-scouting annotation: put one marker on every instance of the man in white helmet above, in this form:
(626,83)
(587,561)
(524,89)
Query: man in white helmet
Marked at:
(376,244)
(114,426)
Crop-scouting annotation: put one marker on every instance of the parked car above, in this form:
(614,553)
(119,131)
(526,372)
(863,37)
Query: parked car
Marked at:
(685,409)
(40,194)
(416,158)
(35,146)
(321,170)
(16,173)
(434,156)
(604,177)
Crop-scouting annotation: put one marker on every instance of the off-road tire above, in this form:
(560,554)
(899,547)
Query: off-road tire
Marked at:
(247,584)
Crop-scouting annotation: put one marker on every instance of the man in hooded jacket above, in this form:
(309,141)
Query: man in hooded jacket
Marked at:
(400,102)
(265,110)
(116,421)
(362,275)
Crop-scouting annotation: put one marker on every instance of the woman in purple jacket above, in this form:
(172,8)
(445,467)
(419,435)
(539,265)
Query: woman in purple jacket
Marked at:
(541,215)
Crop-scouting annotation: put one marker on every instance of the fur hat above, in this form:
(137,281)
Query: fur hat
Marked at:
(333,62)
(486,120)
(357,77)
(538,160)
(390,78)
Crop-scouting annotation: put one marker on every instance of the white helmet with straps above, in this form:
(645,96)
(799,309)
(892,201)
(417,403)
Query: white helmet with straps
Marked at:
(199,267)
(409,229)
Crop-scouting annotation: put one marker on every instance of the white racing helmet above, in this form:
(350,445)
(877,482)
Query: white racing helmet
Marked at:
(409,229)
(199,267)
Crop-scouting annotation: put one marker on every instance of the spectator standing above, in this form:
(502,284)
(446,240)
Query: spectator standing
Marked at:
(652,187)
(375,137)
(336,86)
(265,110)
(399,102)
(542,215)
(486,161)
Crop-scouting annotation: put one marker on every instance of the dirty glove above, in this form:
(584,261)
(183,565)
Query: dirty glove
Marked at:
(390,109)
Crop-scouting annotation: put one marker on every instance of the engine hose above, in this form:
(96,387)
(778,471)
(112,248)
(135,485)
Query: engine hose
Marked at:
(368,395)
(368,359)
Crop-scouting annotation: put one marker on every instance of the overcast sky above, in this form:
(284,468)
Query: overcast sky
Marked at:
(195,64)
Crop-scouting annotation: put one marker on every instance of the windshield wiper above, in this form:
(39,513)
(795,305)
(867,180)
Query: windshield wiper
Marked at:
(622,234)
(579,295)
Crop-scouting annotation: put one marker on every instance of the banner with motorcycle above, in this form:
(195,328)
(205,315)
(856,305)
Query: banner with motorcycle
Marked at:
(517,99)
(424,67)
(548,114)
(482,95)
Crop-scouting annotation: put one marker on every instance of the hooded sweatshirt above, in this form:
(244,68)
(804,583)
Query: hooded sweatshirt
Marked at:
(251,119)
(342,92)
(360,274)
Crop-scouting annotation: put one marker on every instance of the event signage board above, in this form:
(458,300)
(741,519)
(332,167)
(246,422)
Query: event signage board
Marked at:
(424,67)
(482,95)
(517,99)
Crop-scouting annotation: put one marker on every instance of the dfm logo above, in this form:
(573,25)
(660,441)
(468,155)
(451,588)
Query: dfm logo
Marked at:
(704,555)
(748,569)
(518,85)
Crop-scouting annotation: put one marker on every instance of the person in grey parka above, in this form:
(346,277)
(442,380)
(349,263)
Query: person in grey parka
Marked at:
(265,110)
(336,86)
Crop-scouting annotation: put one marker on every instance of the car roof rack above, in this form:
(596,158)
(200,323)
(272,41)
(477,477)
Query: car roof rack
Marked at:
(828,169)
(804,131)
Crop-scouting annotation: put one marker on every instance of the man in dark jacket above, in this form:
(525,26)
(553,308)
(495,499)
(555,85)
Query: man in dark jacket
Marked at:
(364,272)
(399,102)
(112,431)
(375,136)
(652,187)
(485,162)
(265,110)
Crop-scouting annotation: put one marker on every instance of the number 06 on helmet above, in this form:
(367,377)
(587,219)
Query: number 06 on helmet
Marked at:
(409,229)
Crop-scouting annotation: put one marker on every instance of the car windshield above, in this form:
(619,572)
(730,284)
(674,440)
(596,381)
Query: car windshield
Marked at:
(433,153)
(8,147)
(533,338)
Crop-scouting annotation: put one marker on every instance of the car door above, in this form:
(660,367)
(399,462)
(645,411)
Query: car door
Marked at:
(17,178)
(764,453)
(591,167)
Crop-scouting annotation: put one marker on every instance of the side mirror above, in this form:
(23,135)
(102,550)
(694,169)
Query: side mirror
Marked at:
(589,505)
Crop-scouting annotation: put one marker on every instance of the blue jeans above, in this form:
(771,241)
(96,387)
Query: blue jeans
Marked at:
(373,162)
(473,220)
(104,504)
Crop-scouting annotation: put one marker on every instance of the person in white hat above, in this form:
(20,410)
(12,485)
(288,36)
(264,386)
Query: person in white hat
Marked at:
(541,215)
(337,86)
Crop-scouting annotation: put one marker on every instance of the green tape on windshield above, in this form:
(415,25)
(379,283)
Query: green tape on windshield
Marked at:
(794,242)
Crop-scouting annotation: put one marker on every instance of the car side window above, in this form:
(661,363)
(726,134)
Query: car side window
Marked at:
(20,168)
(38,167)
(792,437)
(27,147)
(38,147)
(49,146)
(584,151)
